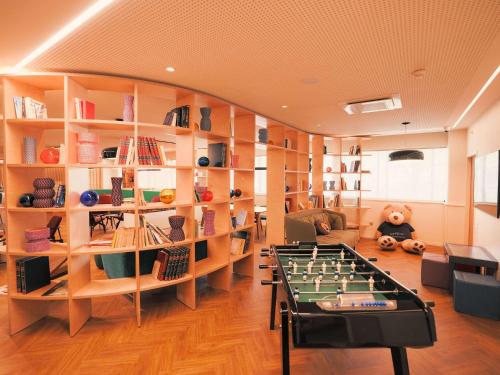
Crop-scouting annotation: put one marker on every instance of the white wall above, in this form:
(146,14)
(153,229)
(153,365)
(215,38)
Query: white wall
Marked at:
(483,138)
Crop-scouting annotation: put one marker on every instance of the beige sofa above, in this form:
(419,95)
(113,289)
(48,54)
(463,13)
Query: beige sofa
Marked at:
(299,226)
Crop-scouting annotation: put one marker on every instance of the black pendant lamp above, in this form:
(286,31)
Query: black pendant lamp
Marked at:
(406,154)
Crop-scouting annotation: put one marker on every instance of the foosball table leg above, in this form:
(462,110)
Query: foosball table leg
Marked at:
(273,299)
(400,361)
(285,348)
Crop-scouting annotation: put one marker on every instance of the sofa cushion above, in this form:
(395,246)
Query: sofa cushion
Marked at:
(322,227)
(336,222)
(349,237)
(322,216)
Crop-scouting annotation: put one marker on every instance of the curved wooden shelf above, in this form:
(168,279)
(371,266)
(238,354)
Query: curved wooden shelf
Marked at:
(95,250)
(37,294)
(50,123)
(236,258)
(36,165)
(206,266)
(104,124)
(107,287)
(149,282)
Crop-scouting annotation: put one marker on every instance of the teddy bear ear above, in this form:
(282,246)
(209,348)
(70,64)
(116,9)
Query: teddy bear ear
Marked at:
(408,208)
(386,207)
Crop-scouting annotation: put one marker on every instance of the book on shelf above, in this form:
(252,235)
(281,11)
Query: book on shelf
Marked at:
(124,237)
(178,116)
(150,234)
(240,241)
(32,273)
(217,154)
(125,151)
(171,263)
(241,217)
(343,167)
(59,289)
(84,109)
(314,199)
(149,152)
(29,108)
(355,150)
(343,184)
(100,243)
(354,167)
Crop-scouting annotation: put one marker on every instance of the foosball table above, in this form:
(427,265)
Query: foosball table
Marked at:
(336,298)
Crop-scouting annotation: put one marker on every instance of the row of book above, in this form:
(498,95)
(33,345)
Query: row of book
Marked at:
(124,237)
(29,108)
(84,109)
(171,263)
(355,150)
(32,273)
(125,152)
(178,116)
(353,167)
(150,234)
(334,201)
(150,152)
(240,242)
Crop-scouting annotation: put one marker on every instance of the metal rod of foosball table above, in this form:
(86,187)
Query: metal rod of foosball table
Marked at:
(358,292)
(285,348)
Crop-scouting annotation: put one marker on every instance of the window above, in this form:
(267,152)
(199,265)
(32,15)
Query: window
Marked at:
(260,175)
(420,180)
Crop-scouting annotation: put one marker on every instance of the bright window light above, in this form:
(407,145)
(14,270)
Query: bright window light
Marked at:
(63,32)
(478,95)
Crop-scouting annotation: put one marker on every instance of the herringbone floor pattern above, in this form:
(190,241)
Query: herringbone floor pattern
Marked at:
(228,334)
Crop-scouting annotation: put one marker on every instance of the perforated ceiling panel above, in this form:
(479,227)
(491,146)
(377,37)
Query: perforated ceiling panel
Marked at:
(308,54)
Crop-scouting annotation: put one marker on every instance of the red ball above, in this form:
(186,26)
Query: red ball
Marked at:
(155,198)
(50,155)
(237,193)
(328,169)
(207,196)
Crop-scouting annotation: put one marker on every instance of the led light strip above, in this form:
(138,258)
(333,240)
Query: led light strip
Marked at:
(476,98)
(63,32)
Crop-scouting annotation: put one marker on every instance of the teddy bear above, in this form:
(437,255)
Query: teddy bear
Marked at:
(395,230)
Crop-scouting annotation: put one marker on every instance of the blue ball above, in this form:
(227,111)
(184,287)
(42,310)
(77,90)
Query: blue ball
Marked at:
(26,200)
(203,161)
(89,198)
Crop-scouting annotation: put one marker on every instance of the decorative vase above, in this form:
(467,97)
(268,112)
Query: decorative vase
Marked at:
(89,198)
(87,148)
(167,196)
(128,108)
(332,185)
(176,223)
(263,135)
(116,191)
(44,192)
(29,150)
(50,155)
(203,161)
(205,123)
(209,223)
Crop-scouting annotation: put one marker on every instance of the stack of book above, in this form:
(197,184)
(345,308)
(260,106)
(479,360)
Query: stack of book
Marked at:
(357,185)
(343,168)
(150,234)
(355,164)
(314,199)
(84,110)
(124,237)
(125,151)
(171,263)
(32,273)
(240,241)
(26,107)
(149,152)
(343,184)
(355,150)
(178,116)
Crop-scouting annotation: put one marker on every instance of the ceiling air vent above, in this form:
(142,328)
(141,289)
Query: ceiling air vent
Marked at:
(373,105)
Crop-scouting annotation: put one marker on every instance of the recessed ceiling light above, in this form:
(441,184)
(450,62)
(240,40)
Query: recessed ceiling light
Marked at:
(170,69)
(419,73)
(478,95)
(284,106)
(64,32)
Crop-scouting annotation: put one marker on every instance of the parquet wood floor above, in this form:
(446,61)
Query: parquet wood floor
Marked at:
(228,334)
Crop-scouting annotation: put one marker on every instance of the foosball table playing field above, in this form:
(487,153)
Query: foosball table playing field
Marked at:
(336,298)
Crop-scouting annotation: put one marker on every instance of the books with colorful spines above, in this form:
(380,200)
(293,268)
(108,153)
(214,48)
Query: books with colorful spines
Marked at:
(155,152)
(100,243)
(238,240)
(88,110)
(123,151)
(168,118)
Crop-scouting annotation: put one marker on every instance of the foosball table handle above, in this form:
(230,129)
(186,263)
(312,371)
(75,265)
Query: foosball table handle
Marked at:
(430,303)
(388,272)
(265,253)
(266,266)
(414,291)
(269,282)
(372,259)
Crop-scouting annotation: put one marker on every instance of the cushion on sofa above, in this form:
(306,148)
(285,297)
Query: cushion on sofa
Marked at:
(349,237)
(336,222)
(322,227)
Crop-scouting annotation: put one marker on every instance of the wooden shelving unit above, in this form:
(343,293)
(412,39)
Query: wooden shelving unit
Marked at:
(329,154)
(231,125)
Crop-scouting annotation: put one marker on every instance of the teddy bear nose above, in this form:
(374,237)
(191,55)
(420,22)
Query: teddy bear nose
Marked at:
(396,217)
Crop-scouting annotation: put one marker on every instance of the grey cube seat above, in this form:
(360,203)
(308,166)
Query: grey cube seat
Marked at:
(435,270)
(476,294)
